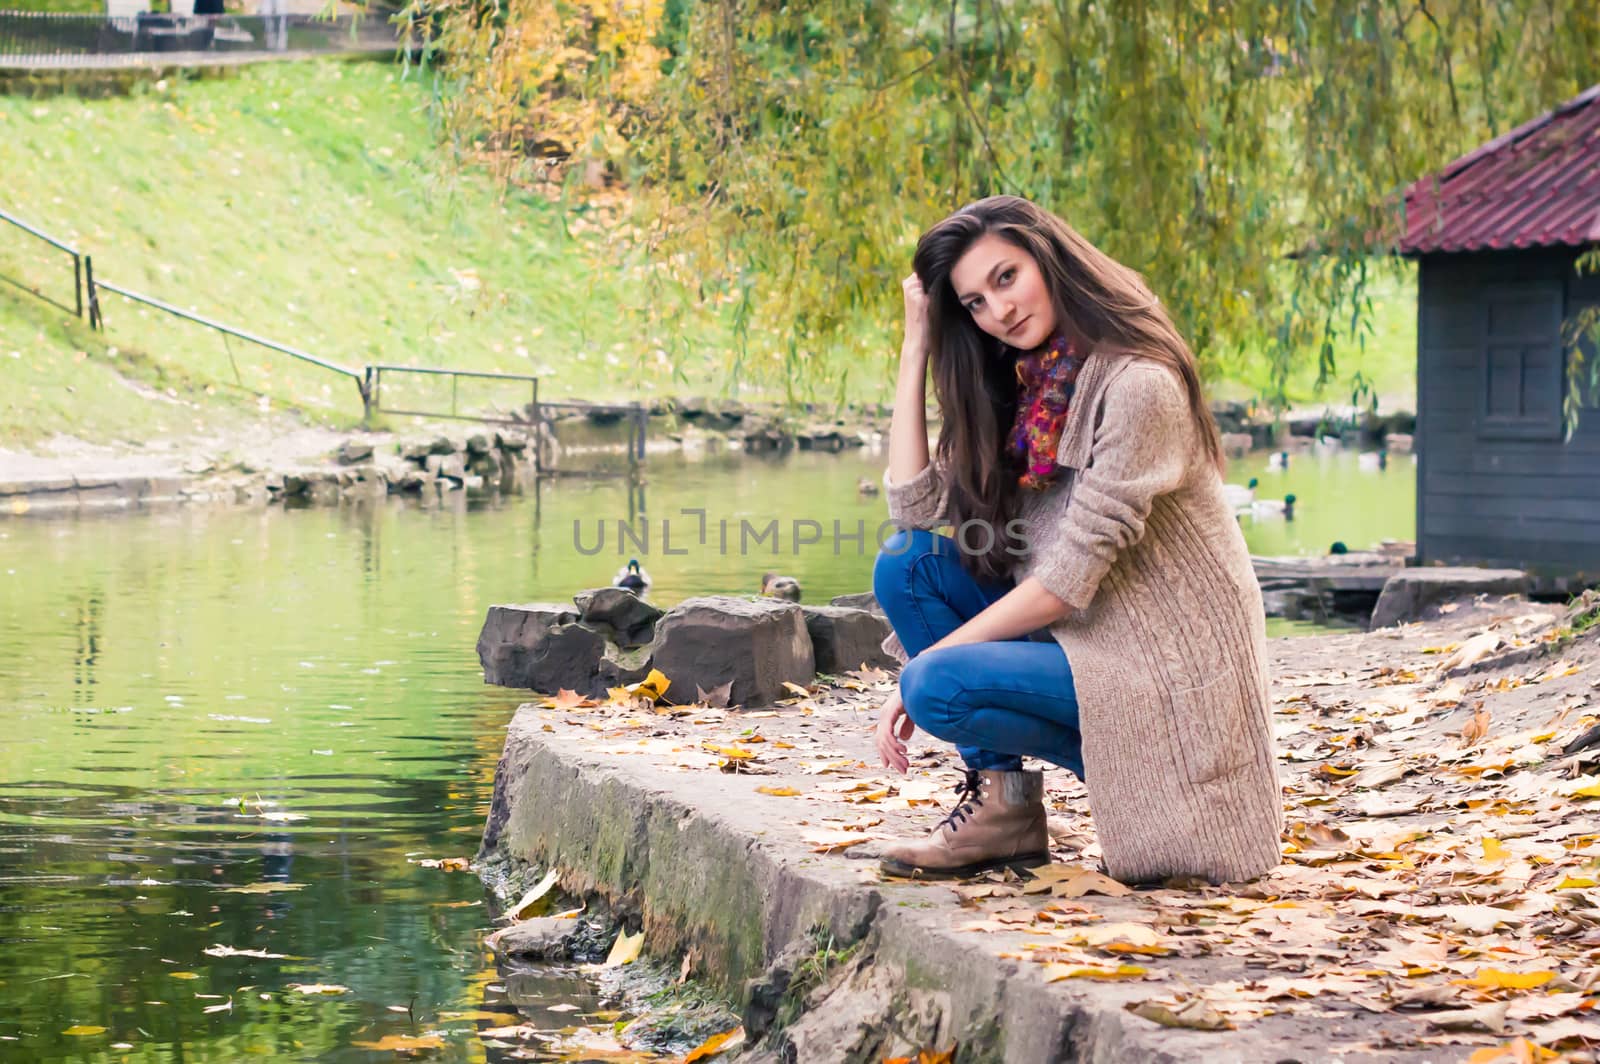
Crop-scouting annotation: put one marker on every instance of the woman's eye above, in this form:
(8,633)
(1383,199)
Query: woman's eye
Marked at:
(975,306)
(1005,278)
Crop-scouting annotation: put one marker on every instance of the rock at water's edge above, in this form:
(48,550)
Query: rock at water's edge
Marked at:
(716,639)
(843,638)
(1408,595)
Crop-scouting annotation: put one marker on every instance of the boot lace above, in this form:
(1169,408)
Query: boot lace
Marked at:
(969,795)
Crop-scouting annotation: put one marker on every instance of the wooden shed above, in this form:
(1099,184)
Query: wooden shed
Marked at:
(1497,235)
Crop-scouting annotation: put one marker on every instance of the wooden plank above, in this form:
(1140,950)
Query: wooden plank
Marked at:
(1531,531)
(1581,452)
(1533,508)
(1504,484)
(1469,549)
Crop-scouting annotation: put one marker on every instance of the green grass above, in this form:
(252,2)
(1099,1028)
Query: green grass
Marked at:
(307,203)
(76,7)
(312,203)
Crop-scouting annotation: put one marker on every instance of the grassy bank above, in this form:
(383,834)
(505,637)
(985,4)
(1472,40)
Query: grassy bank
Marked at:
(311,203)
(308,203)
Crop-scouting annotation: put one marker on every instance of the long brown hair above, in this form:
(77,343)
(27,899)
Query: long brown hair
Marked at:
(1097,301)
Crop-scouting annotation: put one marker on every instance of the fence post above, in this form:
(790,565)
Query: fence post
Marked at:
(538,440)
(369,395)
(96,319)
(77,281)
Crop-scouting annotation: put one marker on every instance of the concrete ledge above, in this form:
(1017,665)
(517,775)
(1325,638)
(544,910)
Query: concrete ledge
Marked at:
(700,860)
(54,495)
(706,826)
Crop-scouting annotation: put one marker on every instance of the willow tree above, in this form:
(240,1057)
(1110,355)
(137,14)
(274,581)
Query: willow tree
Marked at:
(1240,154)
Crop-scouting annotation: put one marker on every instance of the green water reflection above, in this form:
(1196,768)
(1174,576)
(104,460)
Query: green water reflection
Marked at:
(231,728)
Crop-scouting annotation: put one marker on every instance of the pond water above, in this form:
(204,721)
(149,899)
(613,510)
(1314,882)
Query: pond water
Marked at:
(243,729)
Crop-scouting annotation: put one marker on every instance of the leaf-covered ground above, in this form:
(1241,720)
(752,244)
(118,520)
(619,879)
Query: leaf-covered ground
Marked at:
(1437,895)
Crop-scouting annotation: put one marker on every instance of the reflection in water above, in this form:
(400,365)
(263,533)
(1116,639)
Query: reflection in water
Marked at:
(238,730)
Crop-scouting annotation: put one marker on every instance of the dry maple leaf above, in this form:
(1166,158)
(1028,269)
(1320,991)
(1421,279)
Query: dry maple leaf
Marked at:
(717,697)
(567,698)
(1476,728)
(1072,881)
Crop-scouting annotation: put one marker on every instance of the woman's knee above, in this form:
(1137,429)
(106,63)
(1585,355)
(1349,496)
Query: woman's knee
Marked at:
(925,690)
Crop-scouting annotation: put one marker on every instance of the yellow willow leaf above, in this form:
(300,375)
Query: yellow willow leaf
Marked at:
(1196,1014)
(779,792)
(540,890)
(1575,883)
(625,950)
(1496,979)
(716,1045)
(1056,972)
(79,1030)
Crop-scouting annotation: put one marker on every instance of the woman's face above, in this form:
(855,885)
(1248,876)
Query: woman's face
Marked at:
(1001,287)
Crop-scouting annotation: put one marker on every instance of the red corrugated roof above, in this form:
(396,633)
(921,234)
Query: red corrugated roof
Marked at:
(1538,186)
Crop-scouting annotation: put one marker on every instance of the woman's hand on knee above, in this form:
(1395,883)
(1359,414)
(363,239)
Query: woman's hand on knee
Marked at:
(894,728)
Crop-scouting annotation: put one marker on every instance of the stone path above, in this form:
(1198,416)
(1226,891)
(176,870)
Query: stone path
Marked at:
(1437,897)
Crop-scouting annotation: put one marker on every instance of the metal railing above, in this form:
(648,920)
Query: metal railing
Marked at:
(358,376)
(52,39)
(374,392)
(80,264)
(368,379)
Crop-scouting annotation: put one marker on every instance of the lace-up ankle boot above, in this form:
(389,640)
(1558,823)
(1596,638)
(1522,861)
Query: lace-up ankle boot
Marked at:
(998,821)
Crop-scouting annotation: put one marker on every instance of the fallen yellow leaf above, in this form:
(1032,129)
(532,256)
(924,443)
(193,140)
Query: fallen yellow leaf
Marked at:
(539,891)
(652,686)
(625,950)
(778,792)
(79,1030)
(1516,1051)
(1056,972)
(1589,790)
(832,841)
(1496,979)
(403,1043)
(1494,849)
(1195,1013)
(716,1045)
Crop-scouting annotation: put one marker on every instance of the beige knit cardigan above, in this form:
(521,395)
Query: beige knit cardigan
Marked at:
(1166,634)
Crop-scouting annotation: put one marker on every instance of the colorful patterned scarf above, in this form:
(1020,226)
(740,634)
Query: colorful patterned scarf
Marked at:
(1046,379)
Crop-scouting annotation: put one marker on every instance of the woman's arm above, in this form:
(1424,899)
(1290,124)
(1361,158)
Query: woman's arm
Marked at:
(1143,448)
(1025,608)
(914,487)
(908,428)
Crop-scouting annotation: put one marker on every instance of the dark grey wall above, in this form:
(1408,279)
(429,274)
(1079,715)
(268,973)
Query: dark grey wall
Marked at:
(1496,483)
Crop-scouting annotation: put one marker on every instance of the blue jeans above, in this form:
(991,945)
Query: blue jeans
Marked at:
(996,701)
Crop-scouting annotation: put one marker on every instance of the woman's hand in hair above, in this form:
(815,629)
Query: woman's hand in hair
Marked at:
(915,344)
(894,728)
